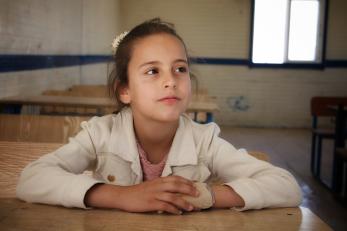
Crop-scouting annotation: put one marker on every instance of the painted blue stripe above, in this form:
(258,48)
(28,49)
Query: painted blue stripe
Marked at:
(336,63)
(219,61)
(32,62)
(289,65)
(246,62)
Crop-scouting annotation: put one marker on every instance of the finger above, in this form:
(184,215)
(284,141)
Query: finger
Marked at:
(179,187)
(167,207)
(175,200)
(177,179)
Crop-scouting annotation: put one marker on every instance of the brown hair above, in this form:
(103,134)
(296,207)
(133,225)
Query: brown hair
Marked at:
(119,75)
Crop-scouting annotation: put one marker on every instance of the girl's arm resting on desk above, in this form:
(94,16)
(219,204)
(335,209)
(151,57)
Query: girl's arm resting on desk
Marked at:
(161,194)
(258,183)
(226,197)
(57,178)
(50,180)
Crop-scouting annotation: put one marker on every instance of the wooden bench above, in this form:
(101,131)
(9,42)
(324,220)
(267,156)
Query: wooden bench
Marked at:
(66,109)
(81,91)
(39,128)
(89,90)
(57,109)
(97,91)
(14,156)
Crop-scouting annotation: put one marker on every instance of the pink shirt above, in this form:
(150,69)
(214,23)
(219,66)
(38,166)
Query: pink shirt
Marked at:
(150,171)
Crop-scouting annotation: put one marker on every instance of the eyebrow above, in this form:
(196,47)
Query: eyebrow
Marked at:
(157,62)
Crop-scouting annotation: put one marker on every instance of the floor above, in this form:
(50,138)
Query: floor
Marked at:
(290,149)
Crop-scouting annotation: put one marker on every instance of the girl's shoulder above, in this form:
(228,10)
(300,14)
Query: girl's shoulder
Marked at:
(98,125)
(97,121)
(110,120)
(105,124)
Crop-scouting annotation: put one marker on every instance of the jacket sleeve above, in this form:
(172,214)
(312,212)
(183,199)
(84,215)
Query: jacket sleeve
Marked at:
(259,183)
(57,178)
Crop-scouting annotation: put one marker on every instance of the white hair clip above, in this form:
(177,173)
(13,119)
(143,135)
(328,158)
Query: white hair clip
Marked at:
(117,41)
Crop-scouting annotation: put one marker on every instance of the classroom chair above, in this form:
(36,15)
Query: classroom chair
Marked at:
(341,155)
(320,108)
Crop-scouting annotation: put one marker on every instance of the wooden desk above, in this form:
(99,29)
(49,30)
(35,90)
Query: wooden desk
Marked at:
(17,215)
(38,128)
(14,156)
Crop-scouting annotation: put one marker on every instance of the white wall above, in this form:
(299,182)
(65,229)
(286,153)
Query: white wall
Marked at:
(62,27)
(220,28)
(39,27)
(101,23)
(337,30)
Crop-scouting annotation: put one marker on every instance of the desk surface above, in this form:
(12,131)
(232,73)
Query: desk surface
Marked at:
(17,215)
(196,104)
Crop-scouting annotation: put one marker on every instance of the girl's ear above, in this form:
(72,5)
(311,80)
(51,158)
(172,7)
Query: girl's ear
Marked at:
(124,94)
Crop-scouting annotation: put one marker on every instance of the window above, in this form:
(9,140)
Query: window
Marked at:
(288,31)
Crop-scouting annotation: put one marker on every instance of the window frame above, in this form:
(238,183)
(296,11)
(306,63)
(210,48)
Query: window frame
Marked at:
(323,22)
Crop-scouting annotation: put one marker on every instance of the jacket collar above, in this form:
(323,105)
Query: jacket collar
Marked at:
(123,143)
(183,151)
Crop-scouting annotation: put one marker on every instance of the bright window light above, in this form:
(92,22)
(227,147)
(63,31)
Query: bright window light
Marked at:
(269,31)
(303,30)
(287,31)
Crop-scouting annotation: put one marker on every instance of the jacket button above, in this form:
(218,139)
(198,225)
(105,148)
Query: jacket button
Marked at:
(110,178)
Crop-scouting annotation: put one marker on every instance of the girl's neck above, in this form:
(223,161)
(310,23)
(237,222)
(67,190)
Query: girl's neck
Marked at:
(155,137)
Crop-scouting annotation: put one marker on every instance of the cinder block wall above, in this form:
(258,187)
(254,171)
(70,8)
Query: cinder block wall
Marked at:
(101,23)
(265,97)
(211,28)
(55,27)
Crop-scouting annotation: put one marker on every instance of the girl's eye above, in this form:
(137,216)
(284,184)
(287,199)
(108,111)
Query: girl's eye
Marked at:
(181,69)
(152,71)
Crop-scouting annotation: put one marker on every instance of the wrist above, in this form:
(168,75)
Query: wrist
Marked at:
(103,196)
(226,197)
(213,196)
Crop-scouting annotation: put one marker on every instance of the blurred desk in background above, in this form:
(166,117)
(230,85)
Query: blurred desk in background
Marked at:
(202,107)
(14,104)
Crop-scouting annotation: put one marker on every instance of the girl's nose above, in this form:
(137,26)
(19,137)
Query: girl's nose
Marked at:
(170,81)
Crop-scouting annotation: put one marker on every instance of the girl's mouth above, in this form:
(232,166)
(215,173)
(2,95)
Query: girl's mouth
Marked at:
(169,99)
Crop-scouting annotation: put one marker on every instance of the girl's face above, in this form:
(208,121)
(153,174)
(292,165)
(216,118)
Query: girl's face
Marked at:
(159,86)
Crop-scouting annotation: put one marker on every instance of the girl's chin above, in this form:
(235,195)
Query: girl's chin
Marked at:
(173,117)
(169,119)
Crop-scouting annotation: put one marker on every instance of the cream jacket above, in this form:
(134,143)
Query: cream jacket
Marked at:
(107,146)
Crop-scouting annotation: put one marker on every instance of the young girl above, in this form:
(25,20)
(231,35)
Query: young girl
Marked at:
(149,156)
